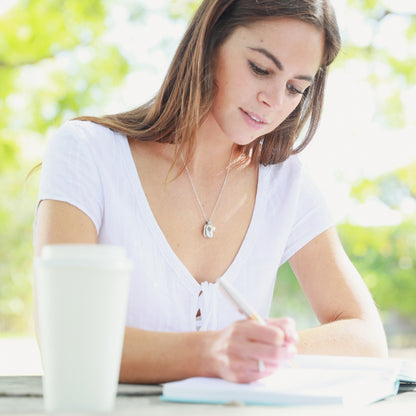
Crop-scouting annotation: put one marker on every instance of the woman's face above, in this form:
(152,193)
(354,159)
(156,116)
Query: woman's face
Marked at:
(261,72)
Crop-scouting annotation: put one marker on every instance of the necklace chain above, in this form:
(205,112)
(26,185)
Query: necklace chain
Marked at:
(208,229)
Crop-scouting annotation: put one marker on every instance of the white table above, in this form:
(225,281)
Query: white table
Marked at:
(22,395)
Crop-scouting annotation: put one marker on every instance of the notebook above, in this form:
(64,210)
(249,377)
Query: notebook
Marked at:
(314,380)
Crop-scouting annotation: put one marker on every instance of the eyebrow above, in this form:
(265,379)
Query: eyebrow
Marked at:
(278,64)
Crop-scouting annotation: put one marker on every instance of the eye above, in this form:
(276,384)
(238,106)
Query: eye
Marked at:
(257,70)
(296,91)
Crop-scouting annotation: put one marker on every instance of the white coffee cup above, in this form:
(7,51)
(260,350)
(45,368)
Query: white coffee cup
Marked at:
(82,292)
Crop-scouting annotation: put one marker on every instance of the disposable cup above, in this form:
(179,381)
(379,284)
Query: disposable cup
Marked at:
(82,293)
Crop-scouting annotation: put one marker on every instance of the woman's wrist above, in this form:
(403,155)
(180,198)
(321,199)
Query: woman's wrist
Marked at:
(208,356)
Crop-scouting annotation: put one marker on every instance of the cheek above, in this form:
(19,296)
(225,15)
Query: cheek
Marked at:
(233,81)
(285,113)
(292,106)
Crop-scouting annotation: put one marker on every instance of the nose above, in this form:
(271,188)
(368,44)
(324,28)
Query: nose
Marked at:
(272,97)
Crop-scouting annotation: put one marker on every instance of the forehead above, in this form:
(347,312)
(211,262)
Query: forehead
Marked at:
(296,43)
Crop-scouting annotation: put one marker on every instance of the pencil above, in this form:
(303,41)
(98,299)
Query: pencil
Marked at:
(245,308)
(237,300)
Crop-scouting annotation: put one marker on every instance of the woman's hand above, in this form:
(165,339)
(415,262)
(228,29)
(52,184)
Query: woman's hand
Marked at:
(237,350)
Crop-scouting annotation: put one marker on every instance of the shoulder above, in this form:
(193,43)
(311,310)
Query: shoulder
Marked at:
(76,136)
(291,166)
(284,174)
(290,182)
(79,130)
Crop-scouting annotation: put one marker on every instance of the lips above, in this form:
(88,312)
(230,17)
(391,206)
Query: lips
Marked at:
(253,120)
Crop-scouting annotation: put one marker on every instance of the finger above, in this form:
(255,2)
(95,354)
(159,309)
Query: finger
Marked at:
(283,354)
(248,349)
(288,326)
(246,371)
(253,352)
(254,331)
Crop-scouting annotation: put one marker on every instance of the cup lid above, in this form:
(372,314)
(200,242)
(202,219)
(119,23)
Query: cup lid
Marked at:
(98,254)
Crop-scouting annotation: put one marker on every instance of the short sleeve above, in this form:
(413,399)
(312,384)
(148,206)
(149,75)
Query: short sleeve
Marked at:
(312,216)
(70,174)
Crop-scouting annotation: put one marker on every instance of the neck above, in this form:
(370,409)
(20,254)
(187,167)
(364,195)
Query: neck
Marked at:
(212,151)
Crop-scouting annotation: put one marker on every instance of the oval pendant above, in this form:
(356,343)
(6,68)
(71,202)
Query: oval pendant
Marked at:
(208,230)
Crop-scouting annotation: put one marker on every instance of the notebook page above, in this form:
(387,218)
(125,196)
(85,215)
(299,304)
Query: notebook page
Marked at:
(291,386)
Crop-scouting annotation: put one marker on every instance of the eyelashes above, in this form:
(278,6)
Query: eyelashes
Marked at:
(294,90)
(258,71)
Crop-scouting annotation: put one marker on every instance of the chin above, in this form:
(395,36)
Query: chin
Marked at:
(243,138)
(246,141)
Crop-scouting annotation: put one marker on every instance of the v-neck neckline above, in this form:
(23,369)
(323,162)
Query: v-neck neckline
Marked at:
(170,255)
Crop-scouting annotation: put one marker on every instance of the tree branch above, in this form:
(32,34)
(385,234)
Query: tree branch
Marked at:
(388,12)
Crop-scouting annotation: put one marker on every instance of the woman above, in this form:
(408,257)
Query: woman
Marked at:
(203,182)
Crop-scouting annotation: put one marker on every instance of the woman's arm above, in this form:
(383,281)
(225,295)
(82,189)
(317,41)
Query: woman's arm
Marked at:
(60,222)
(350,321)
(232,354)
(153,357)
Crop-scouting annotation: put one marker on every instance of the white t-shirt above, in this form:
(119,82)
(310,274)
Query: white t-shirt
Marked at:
(92,168)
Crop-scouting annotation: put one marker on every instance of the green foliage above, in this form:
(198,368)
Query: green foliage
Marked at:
(8,153)
(384,66)
(54,64)
(405,68)
(385,257)
(393,109)
(392,188)
(289,299)
(26,39)
(72,67)
(16,216)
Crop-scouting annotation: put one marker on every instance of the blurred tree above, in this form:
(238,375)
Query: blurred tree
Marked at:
(395,189)
(384,255)
(390,68)
(387,255)
(54,64)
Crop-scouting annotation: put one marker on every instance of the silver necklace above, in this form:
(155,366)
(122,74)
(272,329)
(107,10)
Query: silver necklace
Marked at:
(208,228)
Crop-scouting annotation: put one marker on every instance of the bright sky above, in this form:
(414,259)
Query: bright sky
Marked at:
(352,140)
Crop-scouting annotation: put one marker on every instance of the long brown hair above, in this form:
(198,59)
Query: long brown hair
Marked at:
(188,91)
